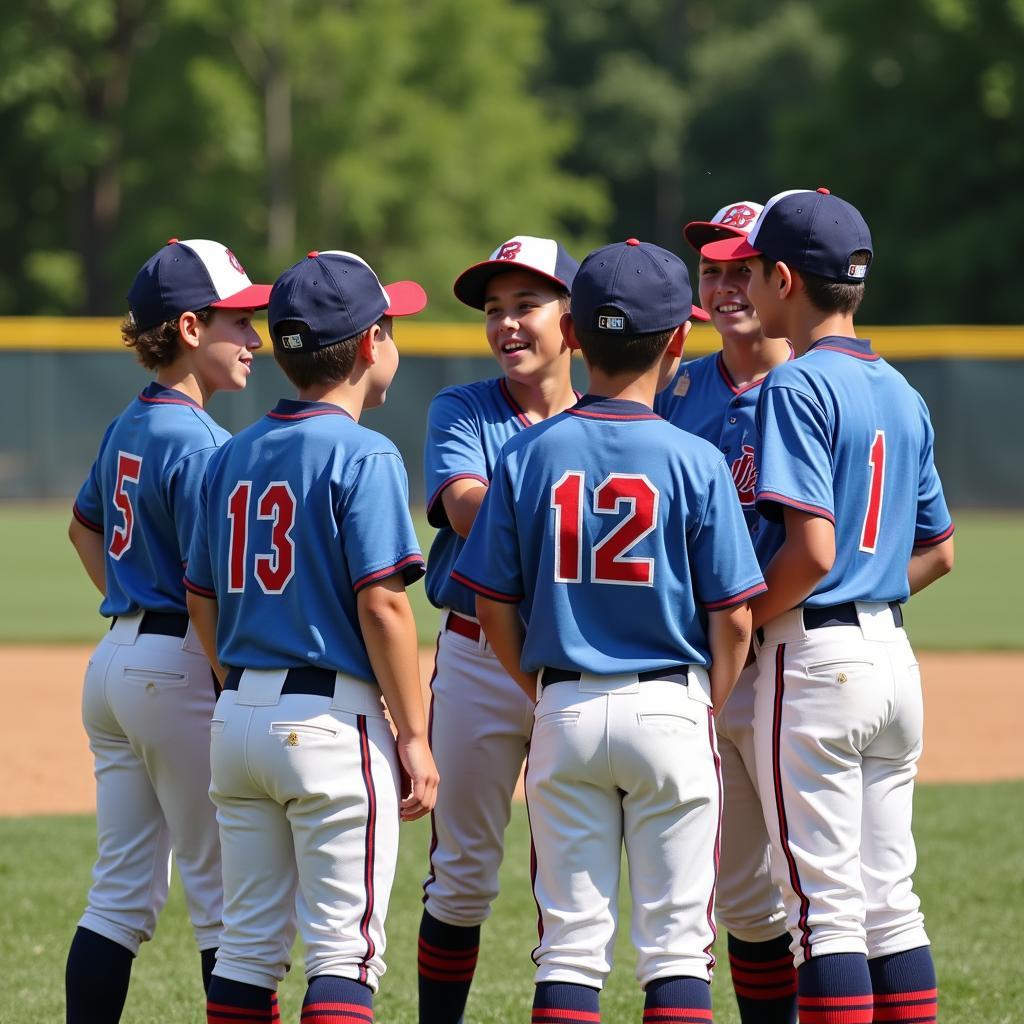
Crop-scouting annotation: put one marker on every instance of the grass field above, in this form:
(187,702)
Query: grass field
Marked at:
(48,599)
(970,878)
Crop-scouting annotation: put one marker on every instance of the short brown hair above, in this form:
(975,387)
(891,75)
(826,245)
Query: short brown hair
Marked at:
(329,365)
(621,353)
(825,295)
(158,346)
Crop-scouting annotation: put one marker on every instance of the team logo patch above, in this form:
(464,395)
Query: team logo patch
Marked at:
(682,385)
(611,323)
(233,260)
(738,217)
(291,341)
(858,270)
(744,475)
(509,251)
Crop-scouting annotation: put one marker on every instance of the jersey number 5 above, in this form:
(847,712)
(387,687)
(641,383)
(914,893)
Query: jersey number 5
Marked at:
(129,469)
(608,559)
(876,463)
(272,571)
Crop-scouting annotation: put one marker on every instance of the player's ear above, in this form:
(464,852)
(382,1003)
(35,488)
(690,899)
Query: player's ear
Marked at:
(678,339)
(787,281)
(569,332)
(367,344)
(188,329)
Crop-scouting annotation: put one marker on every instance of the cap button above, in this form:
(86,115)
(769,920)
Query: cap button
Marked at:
(312,254)
(632,241)
(171,241)
(824,191)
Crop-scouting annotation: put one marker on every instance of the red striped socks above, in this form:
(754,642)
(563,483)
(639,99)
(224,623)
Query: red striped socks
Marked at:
(764,979)
(905,987)
(559,1002)
(333,1000)
(835,989)
(234,1002)
(677,1000)
(446,961)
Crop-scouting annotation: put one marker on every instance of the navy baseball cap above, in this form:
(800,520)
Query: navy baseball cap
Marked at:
(336,295)
(191,275)
(732,221)
(542,256)
(632,287)
(812,231)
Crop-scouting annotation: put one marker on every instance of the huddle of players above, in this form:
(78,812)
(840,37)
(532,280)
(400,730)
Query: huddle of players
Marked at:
(545,503)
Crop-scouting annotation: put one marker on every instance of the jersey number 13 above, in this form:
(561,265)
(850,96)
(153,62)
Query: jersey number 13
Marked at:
(272,570)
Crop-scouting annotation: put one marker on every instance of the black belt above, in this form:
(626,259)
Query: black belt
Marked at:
(162,623)
(844,615)
(559,675)
(317,682)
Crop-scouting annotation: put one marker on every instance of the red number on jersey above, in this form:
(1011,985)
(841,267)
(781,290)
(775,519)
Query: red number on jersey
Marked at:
(876,489)
(608,561)
(274,571)
(129,468)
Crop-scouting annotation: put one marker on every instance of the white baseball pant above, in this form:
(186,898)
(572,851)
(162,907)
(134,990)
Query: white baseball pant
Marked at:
(614,760)
(306,789)
(146,706)
(838,720)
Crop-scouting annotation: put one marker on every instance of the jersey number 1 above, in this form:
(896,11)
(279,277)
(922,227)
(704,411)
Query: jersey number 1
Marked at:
(272,571)
(876,463)
(608,560)
(129,469)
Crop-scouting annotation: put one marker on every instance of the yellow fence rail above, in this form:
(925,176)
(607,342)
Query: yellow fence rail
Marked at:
(416,338)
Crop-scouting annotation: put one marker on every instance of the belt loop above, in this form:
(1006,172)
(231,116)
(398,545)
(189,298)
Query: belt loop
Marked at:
(261,687)
(125,629)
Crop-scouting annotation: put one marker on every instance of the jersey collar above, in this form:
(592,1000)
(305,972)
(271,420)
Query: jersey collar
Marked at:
(155,393)
(597,407)
(859,348)
(293,409)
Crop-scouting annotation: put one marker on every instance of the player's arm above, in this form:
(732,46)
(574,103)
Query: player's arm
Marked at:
(804,560)
(203,612)
(90,547)
(389,632)
(927,564)
(462,500)
(504,630)
(729,640)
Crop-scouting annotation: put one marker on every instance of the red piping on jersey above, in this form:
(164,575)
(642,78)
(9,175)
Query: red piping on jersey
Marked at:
(455,476)
(161,400)
(612,415)
(494,595)
(730,383)
(520,415)
(780,805)
(416,559)
(196,589)
(930,542)
(370,847)
(307,414)
(729,602)
(87,523)
(869,357)
(718,838)
(781,499)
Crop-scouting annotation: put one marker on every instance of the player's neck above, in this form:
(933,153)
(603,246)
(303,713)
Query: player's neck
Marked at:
(626,386)
(544,398)
(813,325)
(345,394)
(182,379)
(750,359)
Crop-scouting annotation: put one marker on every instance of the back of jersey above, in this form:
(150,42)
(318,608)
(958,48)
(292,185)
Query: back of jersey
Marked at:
(617,532)
(300,512)
(844,436)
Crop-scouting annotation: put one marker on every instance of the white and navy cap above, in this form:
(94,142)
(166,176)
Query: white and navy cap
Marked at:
(542,256)
(191,275)
(331,296)
(809,230)
(732,221)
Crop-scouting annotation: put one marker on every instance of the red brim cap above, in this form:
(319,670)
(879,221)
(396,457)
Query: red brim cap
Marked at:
(700,232)
(404,298)
(256,296)
(729,249)
(696,313)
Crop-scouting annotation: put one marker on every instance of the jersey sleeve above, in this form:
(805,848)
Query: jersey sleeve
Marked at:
(933,523)
(489,563)
(795,455)
(182,486)
(377,534)
(453,450)
(722,560)
(88,506)
(198,563)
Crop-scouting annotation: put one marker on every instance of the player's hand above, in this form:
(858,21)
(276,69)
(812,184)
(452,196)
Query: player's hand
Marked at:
(418,778)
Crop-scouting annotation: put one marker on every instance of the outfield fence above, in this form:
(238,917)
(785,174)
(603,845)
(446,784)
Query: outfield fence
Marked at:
(65,379)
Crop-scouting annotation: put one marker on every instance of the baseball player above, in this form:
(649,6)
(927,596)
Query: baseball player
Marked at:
(302,550)
(480,721)
(714,397)
(148,691)
(846,463)
(619,540)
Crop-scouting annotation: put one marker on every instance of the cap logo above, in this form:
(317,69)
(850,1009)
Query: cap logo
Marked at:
(291,341)
(611,323)
(233,260)
(738,216)
(509,251)
(858,270)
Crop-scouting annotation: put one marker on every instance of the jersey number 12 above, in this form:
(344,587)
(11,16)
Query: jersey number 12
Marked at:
(273,571)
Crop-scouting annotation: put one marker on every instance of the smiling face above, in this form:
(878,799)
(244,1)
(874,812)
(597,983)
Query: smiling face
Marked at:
(223,356)
(522,315)
(723,293)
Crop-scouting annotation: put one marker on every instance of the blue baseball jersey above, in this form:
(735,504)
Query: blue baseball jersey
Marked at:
(142,493)
(845,437)
(466,427)
(617,533)
(704,400)
(297,514)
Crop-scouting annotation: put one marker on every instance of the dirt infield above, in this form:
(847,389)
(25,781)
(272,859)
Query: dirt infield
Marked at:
(973,724)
